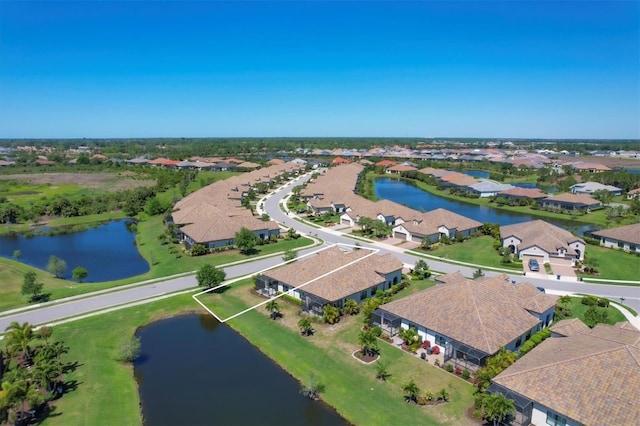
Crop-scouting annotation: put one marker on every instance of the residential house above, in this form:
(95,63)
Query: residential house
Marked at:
(7,163)
(625,238)
(542,239)
(386,163)
(634,193)
(589,167)
(486,188)
(332,276)
(591,187)
(579,376)
(435,224)
(339,160)
(470,319)
(400,168)
(517,193)
(567,201)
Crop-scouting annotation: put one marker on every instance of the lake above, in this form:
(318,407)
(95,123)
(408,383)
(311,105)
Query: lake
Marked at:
(406,193)
(108,252)
(193,370)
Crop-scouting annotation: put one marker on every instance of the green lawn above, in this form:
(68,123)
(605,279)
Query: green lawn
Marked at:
(578,309)
(612,264)
(477,250)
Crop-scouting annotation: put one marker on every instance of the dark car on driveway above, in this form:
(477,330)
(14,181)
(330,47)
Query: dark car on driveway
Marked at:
(534,266)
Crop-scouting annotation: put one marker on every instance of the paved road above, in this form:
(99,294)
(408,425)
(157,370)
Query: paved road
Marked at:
(54,312)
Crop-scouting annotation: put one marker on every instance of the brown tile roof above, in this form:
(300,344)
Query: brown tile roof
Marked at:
(401,168)
(569,327)
(248,165)
(578,199)
(541,234)
(386,163)
(459,179)
(428,223)
(591,377)
(333,274)
(634,191)
(482,314)
(523,193)
(589,166)
(628,233)
(428,170)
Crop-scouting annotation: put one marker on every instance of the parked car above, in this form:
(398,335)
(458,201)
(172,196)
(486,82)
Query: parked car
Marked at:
(534,266)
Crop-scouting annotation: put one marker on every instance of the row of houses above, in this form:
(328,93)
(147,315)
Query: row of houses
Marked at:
(213,215)
(334,191)
(578,376)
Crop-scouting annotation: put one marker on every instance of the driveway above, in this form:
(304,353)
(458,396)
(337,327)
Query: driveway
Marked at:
(562,268)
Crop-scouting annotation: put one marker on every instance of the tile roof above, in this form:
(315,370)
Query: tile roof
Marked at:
(569,327)
(494,306)
(429,223)
(628,233)
(542,234)
(333,274)
(592,377)
(523,193)
(579,199)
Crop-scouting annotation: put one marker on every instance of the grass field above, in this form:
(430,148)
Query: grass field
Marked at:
(578,309)
(613,264)
(477,250)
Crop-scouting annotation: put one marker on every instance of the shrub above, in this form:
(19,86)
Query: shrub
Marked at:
(458,371)
(199,250)
(589,300)
(603,302)
(466,374)
(449,368)
(377,331)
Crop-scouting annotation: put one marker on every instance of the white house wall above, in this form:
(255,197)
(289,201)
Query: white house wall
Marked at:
(534,251)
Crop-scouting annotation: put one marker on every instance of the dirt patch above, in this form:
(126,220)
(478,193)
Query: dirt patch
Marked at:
(107,181)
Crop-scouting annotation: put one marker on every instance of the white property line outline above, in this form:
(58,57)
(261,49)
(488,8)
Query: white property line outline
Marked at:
(288,292)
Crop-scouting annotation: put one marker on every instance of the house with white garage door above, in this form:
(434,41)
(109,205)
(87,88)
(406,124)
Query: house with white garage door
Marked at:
(433,225)
(543,240)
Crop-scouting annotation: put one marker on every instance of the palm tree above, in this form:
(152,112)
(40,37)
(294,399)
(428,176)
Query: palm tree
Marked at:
(368,343)
(497,407)
(44,333)
(411,391)
(273,307)
(381,370)
(18,337)
(306,329)
(331,314)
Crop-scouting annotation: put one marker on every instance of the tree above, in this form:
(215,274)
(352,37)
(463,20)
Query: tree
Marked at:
(79,273)
(593,316)
(411,391)
(331,314)
(129,350)
(56,266)
(306,329)
(381,370)
(209,276)
(245,240)
(478,273)
(30,285)
(18,337)
(421,270)
(273,307)
(289,254)
(496,408)
(368,343)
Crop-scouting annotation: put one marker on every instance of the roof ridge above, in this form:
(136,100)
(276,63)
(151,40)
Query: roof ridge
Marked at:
(573,359)
(475,305)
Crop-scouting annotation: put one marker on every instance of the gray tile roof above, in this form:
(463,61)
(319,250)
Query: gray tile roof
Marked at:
(628,233)
(542,234)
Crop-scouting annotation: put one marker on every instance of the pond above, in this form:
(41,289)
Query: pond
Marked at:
(193,370)
(406,193)
(108,252)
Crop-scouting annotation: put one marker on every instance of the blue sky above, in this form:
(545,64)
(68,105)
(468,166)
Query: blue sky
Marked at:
(518,69)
